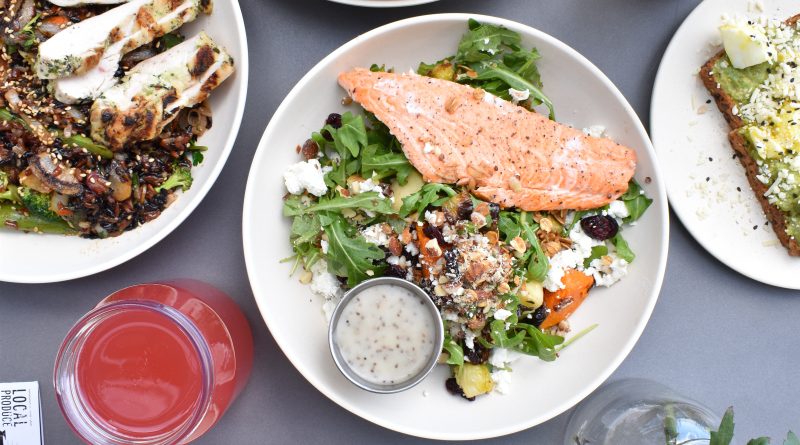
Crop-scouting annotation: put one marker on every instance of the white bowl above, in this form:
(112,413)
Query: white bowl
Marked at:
(383,3)
(583,96)
(50,258)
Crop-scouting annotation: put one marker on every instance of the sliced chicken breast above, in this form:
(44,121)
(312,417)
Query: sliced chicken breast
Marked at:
(106,37)
(76,3)
(153,92)
(453,133)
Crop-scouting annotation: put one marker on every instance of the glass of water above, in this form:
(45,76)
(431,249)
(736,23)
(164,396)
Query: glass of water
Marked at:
(639,412)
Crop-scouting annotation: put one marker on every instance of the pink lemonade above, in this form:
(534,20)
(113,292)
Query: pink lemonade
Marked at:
(154,364)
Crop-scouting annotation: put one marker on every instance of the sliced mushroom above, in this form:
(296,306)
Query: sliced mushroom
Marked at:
(54,175)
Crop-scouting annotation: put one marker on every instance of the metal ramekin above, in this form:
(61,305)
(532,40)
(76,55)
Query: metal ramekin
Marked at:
(341,363)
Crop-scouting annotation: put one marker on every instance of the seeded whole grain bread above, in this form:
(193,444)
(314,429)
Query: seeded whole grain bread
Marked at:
(725,103)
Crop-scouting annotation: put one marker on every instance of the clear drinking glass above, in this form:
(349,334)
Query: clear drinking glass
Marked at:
(639,412)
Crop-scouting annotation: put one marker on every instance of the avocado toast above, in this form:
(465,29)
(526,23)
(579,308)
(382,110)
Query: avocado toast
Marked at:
(760,103)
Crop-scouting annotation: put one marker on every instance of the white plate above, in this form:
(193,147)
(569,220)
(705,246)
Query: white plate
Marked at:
(692,145)
(383,3)
(51,258)
(582,96)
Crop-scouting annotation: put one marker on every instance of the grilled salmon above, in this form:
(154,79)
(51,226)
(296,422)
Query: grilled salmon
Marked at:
(457,134)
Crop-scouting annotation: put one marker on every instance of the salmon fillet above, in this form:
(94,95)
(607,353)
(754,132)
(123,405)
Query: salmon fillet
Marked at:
(454,133)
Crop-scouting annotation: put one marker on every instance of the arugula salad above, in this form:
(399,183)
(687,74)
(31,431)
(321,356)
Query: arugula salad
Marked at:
(505,280)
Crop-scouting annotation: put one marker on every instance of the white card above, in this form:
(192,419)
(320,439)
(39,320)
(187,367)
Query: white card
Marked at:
(20,414)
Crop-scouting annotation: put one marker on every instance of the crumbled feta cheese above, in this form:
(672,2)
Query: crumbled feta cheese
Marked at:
(326,285)
(606,273)
(374,234)
(501,358)
(368,185)
(597,131)
(412,249)
(502,314)
(571,258)
(519,95)
(502,381)
(469,338)
(324,246)
(618,209)
(306,175)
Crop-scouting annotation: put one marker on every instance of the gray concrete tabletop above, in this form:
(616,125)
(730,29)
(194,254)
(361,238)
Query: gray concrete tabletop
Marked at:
(715,336)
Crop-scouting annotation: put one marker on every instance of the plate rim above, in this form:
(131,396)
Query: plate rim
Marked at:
(661,202)
(680,212)
(243,72)
(382,3)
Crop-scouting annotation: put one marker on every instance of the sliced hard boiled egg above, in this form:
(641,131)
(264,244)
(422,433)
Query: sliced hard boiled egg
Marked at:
(745,45)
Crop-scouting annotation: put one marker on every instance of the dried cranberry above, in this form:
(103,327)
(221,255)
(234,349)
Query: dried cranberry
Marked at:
(395,271)
(465,209)
(600,227)
(432,232)
(451,263)
(494,211)
(477,355)
(537,317)
(334,120)
(454,389)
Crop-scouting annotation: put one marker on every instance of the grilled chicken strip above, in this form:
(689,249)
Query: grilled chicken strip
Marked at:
(153,92)
(85,56)
(453,133)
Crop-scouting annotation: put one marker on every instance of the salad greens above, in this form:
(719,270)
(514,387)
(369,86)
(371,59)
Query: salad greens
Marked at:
(372,187)
(491,57)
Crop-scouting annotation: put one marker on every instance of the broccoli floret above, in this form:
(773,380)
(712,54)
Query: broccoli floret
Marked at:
(181,177)
(38,204)
(8,192)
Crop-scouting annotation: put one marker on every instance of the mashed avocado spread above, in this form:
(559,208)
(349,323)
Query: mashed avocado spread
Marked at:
(768,100)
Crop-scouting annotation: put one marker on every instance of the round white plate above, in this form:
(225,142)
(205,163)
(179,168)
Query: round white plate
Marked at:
(583,96)
(383,3)
(50,258)
(707,188)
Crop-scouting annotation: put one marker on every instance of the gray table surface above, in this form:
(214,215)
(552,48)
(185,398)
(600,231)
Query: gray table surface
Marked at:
(715,335)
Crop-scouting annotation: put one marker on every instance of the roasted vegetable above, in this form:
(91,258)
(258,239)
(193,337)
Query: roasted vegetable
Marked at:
(474,380)
(38,204)
(13,216)
(181,177)
(563,302)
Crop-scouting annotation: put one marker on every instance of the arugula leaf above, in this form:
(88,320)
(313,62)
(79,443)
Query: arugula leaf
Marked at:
(597,252)
(523,62)
(508,225)
(724,434)
(432,194)
(349,254)
(499,334)
(623,250)
(539,344)
(305,228)
(352,135)
(636,202)
(385,164)
(369,201)
(791,439)
(539,263)
(497,71)
(455,351)
(293,205)
(484,41)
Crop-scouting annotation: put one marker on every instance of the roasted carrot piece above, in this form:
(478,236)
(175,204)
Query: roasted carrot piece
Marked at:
(425,255)
(563,302)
